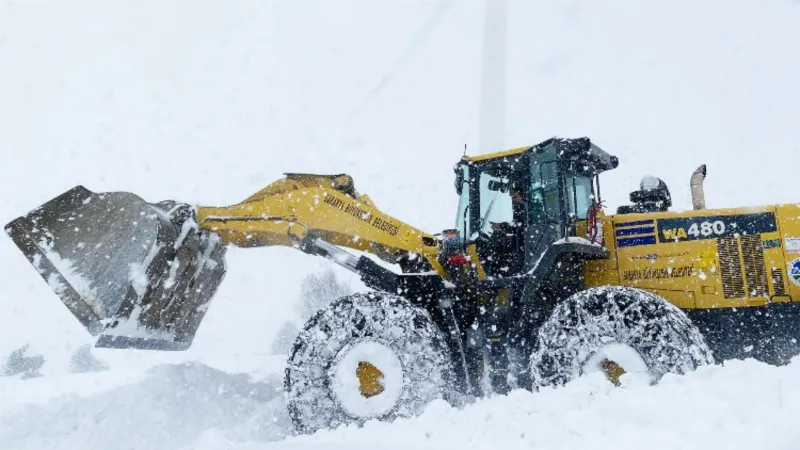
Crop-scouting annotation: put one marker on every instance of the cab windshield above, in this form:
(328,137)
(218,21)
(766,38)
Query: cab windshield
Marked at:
(579,192)
(534,190)
(500,200)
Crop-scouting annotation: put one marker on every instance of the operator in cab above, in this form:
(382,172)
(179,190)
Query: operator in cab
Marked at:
(505,247)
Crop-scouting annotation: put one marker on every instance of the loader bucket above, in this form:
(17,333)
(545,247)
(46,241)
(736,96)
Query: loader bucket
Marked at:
(135,274)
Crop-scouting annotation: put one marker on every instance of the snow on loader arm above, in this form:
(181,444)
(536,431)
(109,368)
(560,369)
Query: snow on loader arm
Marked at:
(141,275)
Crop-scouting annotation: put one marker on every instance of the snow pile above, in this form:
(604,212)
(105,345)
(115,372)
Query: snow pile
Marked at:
(190,406)
(163,408)
(744,405)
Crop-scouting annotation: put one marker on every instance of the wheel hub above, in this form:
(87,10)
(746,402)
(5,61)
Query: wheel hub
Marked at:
(367,379)
(612,370)
(615,360)
(370,379)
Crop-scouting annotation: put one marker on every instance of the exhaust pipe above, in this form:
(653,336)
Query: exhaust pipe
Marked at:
(696,186)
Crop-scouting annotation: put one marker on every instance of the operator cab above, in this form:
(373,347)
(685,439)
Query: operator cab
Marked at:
(515,204)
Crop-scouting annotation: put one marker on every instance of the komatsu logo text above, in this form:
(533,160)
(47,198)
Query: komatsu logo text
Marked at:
(657,273)
(360,214)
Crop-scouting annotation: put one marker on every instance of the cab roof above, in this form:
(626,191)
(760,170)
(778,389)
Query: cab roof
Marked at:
(578,149)
(500,154)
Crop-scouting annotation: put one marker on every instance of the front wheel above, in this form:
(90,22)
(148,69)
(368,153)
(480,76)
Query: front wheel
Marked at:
(366,356)
(616,330)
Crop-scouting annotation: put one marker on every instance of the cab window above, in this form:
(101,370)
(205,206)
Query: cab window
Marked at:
(544,189)
(579,191)
(495,201)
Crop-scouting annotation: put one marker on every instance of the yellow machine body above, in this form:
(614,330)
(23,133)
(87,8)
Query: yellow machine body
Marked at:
(704,259)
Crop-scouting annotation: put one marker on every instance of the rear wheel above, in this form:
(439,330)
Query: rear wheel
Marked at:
(616,330)
(366,356)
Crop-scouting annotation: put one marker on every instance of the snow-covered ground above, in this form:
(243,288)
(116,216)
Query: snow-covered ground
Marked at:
(207,102)
(743,405)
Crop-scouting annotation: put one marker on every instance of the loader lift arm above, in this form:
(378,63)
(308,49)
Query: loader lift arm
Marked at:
(299,206)
(317,213)
(141,275)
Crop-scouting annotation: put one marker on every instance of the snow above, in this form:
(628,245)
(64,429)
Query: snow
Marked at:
(131,326)
(209,102)
(707,409)
(649,183)
(743,405)
(161,408)
(576,240)
(138,273)
(66,269)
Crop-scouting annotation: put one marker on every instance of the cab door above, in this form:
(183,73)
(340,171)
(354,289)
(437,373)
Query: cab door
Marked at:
(545,206)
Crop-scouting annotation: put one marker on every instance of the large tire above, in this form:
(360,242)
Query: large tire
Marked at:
(400,339)
(586,327)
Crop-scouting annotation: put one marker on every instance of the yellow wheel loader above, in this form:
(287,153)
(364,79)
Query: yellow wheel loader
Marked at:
(535,285)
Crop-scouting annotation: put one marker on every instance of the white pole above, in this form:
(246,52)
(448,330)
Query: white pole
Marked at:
(493,77)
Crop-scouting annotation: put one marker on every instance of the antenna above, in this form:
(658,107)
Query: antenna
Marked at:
(465,150)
